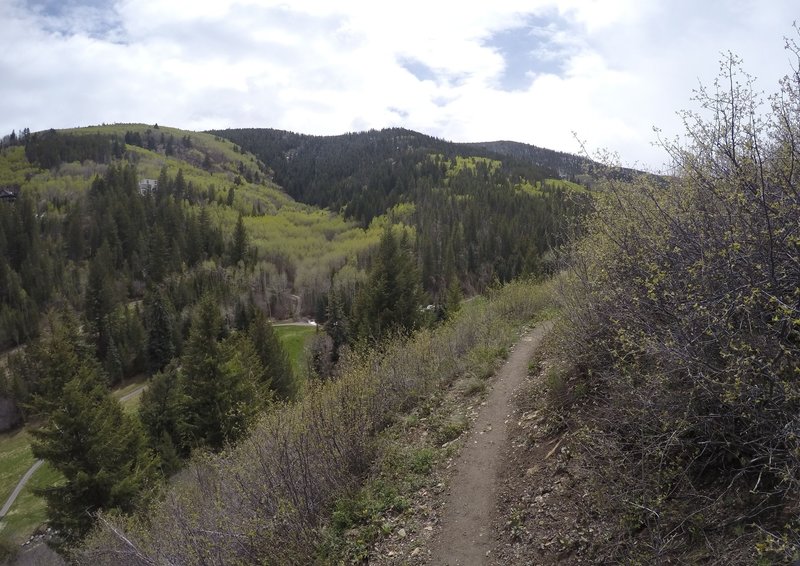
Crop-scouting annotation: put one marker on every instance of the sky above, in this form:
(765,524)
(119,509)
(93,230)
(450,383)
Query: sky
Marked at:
(544,72)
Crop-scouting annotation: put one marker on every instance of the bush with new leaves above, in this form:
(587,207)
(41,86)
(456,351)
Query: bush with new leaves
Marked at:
(683,306)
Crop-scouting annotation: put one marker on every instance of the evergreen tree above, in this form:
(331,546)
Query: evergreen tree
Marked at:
(272,355)
(160,321)
(391,298)
(100,299)
(336,323)
(180,185)
(41,370)
(163,415)
(239,243)
(452,299)
(164,186)
(221,390)
(100,451)
(73,233)
(112,363)
(158,263)
(130,339)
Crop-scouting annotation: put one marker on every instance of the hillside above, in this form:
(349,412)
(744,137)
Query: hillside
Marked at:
(478,215)
(150,253)
(332,171)
(110,237)
(298,246)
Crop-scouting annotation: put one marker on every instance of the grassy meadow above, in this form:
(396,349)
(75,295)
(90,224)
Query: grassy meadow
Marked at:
(294,338)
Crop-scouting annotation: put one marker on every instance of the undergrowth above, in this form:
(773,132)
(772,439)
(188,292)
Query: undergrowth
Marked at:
(321,465)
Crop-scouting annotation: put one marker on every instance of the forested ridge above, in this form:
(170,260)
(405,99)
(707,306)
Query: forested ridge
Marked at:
(479,215)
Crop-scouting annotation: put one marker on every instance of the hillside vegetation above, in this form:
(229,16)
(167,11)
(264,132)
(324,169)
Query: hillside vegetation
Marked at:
(473,218)
(116,239)
(142,252)
(676,388)
(282,494)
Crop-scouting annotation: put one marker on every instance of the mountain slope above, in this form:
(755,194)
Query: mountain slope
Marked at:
(478,215)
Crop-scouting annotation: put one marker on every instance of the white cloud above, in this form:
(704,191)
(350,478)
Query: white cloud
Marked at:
(322,67)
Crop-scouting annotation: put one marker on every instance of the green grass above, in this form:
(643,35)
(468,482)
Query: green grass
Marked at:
(29,511)
(16,456)
(129,386)
(131,404)
(294,339)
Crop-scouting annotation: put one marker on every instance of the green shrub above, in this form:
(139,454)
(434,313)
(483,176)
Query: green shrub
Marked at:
(450,429)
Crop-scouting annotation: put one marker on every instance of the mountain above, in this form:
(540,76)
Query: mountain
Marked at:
(479,215)
(332,170)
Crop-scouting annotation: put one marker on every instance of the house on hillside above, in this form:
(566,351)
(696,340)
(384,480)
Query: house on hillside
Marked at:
(8,194)
(147,186)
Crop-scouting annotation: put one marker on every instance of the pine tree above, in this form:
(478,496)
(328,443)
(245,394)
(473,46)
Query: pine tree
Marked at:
(162,412)
(278,369)
(391,298)
(158,263)
(100,451)
(180,185)
(336,324)
(160,321)
(41,370)
(452,299)
(220,381)
(239,243)
(100,299)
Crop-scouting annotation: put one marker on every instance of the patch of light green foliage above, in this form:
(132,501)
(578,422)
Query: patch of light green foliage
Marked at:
(14,167)
(537,188)
(454,167)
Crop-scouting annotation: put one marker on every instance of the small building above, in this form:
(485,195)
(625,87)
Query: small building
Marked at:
(8,194)
(147,186)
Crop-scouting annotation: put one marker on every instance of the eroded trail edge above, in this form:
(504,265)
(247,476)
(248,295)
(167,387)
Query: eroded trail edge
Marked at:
(466,536)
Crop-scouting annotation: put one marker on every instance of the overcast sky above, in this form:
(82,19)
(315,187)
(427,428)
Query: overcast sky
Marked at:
(532,71)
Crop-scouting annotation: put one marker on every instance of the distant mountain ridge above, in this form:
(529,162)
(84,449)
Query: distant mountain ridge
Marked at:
(567,165)
(331,171)
(480,211)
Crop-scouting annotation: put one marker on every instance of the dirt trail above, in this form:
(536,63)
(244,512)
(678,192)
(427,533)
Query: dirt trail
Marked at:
(466,537)
(13,497)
